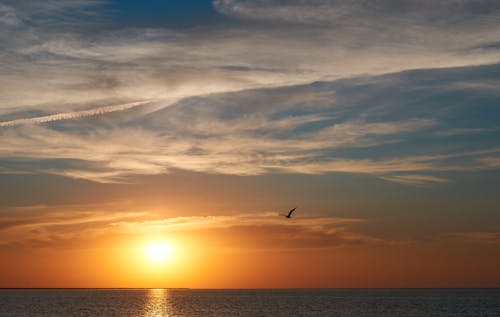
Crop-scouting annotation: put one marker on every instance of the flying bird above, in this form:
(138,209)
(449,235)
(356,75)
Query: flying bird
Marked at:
(290,213)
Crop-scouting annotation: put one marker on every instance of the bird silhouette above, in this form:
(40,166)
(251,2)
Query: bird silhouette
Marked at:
(290,213)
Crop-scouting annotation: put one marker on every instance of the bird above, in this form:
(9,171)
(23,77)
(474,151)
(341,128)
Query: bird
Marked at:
(290,213)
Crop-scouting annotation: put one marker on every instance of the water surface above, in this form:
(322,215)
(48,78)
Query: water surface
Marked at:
(296,302)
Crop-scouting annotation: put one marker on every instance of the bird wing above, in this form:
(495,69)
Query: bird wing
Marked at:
(290,212)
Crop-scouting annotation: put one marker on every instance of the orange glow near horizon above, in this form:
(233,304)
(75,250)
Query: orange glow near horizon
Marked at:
(259,250)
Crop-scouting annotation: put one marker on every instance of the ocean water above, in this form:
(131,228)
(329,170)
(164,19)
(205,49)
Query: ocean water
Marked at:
(254,303)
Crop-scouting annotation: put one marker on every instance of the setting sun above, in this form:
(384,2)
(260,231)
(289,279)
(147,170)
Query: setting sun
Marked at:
(158,252)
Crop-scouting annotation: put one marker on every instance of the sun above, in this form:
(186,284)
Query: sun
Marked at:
(158,252)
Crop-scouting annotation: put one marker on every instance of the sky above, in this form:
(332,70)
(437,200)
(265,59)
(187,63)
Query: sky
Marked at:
(194,125)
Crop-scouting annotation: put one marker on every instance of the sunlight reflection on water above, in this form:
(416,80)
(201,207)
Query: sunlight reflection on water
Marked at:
(156,303)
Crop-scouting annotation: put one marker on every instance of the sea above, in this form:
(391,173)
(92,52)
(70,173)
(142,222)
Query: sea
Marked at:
(252,303)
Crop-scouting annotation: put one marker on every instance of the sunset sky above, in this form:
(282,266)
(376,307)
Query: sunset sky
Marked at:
(157,143)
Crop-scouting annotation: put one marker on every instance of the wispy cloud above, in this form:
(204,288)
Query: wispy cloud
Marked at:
(8,16)
(229,102)
(58,226)
(45,227)
(340,12)
(465,131)
(477,237)
(492,162)
(227,221)
(340,126)
(46,65)
(75,115)
(415,179)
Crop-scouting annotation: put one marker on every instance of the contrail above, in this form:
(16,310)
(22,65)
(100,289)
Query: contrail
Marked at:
(74,115)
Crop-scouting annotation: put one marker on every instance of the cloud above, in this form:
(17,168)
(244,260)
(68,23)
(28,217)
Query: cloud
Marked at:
(58,226)
(384,29)
(368,125)
(49,12)
(70,226)
(335,96)
(152,153)
(74,115)
(464,131)
(415,179)
(477,237)
(48,65)
(227,221)
(323,12)
(8,16)
(492,162)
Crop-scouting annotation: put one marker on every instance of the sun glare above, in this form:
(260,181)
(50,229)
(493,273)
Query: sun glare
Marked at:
(158,252)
